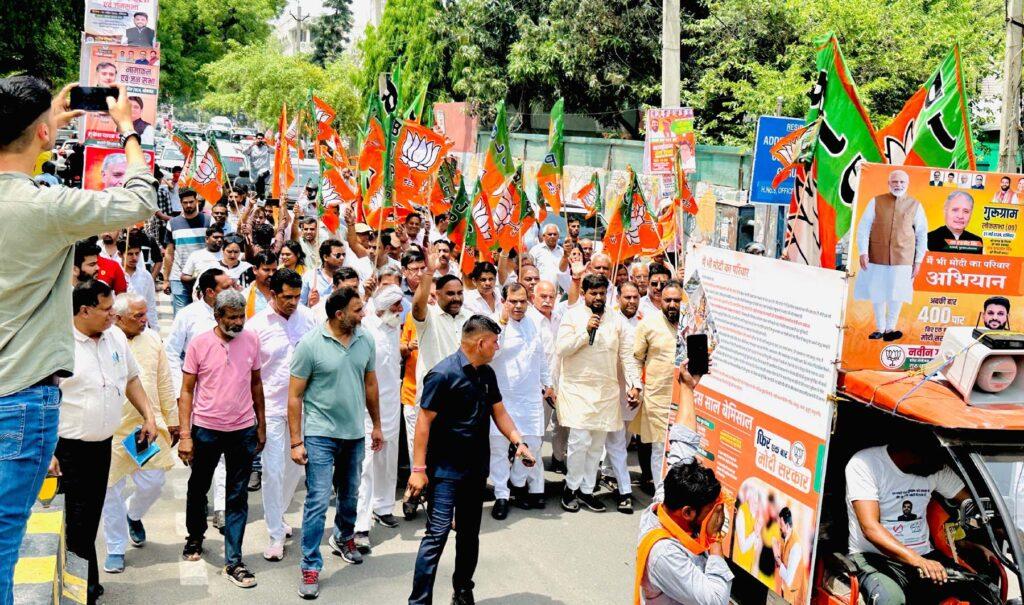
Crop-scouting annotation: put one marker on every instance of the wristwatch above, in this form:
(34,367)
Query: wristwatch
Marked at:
(125,136)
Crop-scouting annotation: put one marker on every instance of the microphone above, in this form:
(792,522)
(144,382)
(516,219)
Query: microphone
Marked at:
(593,331)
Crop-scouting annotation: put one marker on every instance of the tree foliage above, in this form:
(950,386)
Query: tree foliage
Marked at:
(193,33)
(256,79)
(331,31)
(41,38)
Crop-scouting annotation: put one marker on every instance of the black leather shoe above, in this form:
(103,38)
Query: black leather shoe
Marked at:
(500,509)
(891,336)
(463,597)
(875,335)
(558,466)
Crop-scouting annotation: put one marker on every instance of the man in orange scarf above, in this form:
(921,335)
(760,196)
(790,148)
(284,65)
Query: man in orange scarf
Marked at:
(679,561)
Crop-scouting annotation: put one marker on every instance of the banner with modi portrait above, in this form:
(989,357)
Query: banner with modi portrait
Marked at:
(931,248)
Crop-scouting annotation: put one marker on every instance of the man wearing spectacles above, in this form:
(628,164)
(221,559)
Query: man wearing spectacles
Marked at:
(319,284)
(658,276)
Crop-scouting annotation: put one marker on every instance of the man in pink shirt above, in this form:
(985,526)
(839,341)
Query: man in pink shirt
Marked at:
(221,414)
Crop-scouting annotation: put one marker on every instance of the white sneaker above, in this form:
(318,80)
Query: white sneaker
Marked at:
(287,530)
(275,551)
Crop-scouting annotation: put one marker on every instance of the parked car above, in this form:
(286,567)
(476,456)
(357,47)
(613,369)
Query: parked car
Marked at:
(169,158)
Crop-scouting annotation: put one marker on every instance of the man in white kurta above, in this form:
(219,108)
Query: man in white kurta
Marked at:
(279,326)
(380,468)
(524,379)
(892,239)
(615,444)
(593,345)
(548,316)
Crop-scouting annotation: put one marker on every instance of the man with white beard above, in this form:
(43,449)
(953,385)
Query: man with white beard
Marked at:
(524,379)
(380,468)
(547,315)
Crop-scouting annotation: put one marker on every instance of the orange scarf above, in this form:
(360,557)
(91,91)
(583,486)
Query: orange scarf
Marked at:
(670,530)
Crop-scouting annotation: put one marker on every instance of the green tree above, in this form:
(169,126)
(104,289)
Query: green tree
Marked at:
(193,33)
(256,79)
(331,31)
(41,38)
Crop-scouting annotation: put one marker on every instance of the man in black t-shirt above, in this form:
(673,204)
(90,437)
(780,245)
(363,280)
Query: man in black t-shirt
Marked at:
(452,452)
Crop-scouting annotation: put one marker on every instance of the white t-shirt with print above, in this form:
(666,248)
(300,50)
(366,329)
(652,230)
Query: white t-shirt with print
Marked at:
(872,475)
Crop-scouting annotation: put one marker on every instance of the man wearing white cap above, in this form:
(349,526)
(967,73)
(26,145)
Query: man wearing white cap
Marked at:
(380,468)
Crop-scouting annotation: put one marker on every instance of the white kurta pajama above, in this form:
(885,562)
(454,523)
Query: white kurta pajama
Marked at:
(380,469)
(617,441)
(888,286)
(588,388)
(278,338)
(521,368)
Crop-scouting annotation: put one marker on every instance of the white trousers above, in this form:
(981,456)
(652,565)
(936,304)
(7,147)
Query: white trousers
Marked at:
(378,482)
(583,457)
(280,476)
(117,508)
(502,471)
(615,446)
(220,477)
(410,413)
(559,434)
(657,461)
(887,314)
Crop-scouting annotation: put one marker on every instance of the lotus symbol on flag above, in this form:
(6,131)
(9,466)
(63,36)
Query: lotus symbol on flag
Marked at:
(419,153)
(329,195)
(206,170)
(503,211)
(589,199)
(480,218)
(322,116)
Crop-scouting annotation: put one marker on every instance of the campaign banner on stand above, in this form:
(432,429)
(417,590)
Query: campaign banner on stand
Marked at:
(112,64)
(765,167)
(930,249)
(666,129)
(131,22)
(764,411)
(105,167)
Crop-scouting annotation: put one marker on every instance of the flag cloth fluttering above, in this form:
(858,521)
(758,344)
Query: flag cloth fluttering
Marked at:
(284,174)
(632,227)
(498,166)
(589,196)
(208,176)
(549,175)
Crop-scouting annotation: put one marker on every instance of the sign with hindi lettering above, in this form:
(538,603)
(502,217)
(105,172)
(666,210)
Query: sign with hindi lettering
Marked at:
(664,131)
(930,248)
(764,411)
(130,22)
(139,70)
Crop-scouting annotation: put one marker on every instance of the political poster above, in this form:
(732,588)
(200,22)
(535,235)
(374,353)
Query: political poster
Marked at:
(764,411)
(931,248)
(130,22)
(665,130)
(456,123)
(104,167)
(113,64)
(769,130)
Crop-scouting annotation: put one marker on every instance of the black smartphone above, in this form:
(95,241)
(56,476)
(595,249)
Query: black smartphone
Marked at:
(91,98)
(272,201)
(141,443)
(697,354)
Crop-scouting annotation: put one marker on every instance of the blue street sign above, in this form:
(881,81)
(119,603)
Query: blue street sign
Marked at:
(769,130)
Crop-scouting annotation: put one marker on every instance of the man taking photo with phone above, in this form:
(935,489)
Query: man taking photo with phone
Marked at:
(44,223)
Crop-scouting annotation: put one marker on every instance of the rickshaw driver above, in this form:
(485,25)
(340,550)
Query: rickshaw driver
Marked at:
(885,487)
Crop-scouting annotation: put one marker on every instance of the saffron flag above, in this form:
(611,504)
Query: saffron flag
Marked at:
(632,228)
(938,134)
(802,242)
(284,174)
(185,144)
(549,175)
(207,179)
(479,233)
(419,153)
(684,197)
(324,115)
(898,137)
(513,215)
(589,197)
(498,167)
(792,149)
(456,232)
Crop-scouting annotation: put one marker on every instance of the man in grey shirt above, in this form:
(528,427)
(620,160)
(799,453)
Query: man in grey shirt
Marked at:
(41,225)
(259,164)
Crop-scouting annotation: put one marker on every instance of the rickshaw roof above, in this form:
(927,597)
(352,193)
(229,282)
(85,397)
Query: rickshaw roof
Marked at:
(935,402)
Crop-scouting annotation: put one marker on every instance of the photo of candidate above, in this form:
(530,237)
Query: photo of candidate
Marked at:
(936,179)
(950,180)
(953,236)
(106,75)
(1019,191)
(964,182)
(113,169)
(979,181)
(892,237)
(142,127)
(908,512)
(995,313)
(141,34)
(1004,195)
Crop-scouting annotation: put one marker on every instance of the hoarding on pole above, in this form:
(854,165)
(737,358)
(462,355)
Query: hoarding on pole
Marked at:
(104,167)
(130,22)
(666,129)
(113,64)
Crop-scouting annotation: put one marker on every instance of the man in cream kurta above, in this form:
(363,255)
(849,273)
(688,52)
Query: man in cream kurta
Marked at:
(592,346)
(655,344)
(892,239)
(122,517)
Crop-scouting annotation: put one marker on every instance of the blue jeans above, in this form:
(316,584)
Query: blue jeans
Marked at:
(331,462)
(238,448)
(28,436)
(463,501)
(180,295)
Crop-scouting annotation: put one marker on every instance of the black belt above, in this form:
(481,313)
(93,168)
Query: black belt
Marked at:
(49,381)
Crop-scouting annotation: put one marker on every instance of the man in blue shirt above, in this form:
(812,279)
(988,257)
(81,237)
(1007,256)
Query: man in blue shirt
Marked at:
(452,451)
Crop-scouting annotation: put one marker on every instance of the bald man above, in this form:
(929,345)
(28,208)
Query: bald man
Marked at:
(892,237)
(548,254)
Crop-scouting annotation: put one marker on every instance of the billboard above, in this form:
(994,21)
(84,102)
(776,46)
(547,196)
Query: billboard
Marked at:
(764,412)
(112,64)
(931,248)
(105,167)
(769,130)
(666,129)
(130,22)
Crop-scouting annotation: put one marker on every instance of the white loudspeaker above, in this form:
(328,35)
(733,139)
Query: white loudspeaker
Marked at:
(983,375)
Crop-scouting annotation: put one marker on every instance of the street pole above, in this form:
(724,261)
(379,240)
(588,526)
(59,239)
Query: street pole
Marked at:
(1009,122)
(299,21)
(670,53)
